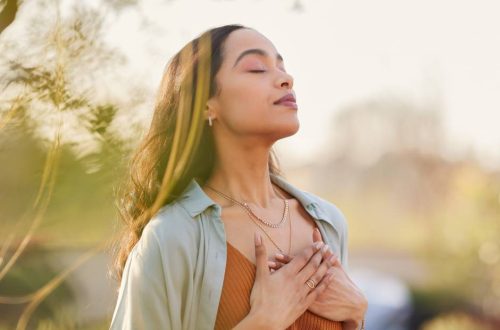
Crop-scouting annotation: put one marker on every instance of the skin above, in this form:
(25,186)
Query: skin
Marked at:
(246,124)
(342,299)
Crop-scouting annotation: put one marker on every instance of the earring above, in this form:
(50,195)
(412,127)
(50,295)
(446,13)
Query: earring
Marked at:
(210,121)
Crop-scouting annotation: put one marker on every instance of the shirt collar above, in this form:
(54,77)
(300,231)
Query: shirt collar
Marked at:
(195,200)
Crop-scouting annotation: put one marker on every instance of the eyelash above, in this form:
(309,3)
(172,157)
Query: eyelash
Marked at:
(257,71)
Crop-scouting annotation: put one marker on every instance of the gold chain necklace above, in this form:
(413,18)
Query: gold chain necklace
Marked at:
(250,213)
(247,207)
(272,241)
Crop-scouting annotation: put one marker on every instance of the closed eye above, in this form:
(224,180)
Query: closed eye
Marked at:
(257,71)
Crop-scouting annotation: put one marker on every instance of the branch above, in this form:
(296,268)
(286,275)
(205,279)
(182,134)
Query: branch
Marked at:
(8,14)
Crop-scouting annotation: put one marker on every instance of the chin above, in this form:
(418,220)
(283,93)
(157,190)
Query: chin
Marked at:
(289,130)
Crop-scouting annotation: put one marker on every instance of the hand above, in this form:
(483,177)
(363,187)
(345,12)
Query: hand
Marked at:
(278,298)
(342,300)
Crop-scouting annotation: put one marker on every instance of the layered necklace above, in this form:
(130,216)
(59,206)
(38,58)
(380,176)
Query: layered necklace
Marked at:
(252,215)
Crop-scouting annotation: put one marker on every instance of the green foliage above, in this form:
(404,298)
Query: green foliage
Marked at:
(456,321)
(49,92)
(402,197)
(389,177)
(30,273)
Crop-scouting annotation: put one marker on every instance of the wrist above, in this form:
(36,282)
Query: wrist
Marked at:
(362,325)
(257,320)
(357,322)
(354,324)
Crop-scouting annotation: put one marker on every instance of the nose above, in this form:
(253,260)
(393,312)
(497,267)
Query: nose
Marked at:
(285,80)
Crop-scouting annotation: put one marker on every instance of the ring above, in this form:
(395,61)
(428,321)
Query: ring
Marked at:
(310,283)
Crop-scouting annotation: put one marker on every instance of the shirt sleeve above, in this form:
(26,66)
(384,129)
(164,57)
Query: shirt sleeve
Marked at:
(344,239)
(340,225)
(143,299)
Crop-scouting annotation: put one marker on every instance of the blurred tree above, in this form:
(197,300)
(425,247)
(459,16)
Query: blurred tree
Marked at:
(387,142)
(55,105)
(386,168)
(8,11)
(59,105)
(363,132)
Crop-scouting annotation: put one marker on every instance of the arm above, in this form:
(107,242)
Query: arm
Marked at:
(142,300)
(342,300)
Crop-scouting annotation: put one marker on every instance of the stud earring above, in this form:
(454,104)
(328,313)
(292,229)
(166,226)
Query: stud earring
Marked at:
(210,121)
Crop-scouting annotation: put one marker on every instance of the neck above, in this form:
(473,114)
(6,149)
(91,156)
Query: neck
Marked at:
(242,173)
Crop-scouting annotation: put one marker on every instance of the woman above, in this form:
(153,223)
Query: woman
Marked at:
(216,237)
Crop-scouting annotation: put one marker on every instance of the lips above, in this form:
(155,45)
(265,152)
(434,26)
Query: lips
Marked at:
(287,98)
(288,101)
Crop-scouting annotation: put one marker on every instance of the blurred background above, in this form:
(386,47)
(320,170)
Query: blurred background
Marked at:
(399,110)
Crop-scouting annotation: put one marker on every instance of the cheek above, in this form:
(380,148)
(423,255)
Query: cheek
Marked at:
(246,99)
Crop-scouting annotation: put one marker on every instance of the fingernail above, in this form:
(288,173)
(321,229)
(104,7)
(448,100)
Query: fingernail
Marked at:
(325,248)
(258,239)
(279,256)
(271,264)
(318,245)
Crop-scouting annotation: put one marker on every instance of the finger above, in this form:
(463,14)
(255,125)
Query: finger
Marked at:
(322,285)
(302,259)
(317,235)
(322,271)
(334,261)
(260,257)
(275,265)
(328,254)
(311,267)
(279,264)
(324,250)
(283,258)
(332,258)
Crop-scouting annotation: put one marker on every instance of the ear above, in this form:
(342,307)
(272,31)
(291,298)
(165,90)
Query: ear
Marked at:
(208,113)
(210,109)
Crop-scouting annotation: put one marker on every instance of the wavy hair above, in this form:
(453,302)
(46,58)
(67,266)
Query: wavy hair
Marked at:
(179,145)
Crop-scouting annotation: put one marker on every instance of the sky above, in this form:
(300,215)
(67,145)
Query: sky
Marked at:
(344,52)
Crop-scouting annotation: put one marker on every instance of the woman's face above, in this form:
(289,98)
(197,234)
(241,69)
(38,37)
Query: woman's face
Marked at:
(252,77)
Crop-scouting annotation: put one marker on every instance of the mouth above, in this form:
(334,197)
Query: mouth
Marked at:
(288,101)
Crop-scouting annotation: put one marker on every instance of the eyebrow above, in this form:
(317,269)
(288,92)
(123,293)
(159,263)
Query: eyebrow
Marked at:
(257,51)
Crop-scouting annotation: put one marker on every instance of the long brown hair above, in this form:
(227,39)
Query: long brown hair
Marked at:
(179,145)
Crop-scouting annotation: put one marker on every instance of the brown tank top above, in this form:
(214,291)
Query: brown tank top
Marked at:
(235,297)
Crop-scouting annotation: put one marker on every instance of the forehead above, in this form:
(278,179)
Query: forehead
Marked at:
(243,39)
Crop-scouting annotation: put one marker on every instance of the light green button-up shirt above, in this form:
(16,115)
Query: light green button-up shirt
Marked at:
(174,274)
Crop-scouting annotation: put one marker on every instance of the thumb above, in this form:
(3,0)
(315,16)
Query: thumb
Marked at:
(317,235)
(260,257)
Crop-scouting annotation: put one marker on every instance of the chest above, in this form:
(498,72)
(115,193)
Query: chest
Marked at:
(293,236)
